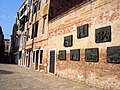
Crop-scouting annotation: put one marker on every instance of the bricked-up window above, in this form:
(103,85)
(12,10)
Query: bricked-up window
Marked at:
(34,30)
(41,56)
(43,28)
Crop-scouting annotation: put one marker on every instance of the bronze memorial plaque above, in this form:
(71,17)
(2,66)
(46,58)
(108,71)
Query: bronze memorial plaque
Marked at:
(92,55)
(75,54)
(62,55)
(82,31)
(113,54)
(103,34)
(68,41)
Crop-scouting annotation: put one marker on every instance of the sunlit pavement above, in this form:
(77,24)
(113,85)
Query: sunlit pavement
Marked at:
(14,77)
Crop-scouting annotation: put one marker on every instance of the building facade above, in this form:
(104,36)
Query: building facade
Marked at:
(2,45)
(14,48)
(7,47)
(74,39)
(7,43)
(84,41)
(32,30)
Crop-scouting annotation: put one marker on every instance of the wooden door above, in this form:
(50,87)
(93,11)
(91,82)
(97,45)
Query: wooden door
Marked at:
(52,62)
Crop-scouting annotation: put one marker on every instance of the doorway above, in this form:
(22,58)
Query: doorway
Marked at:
(29,55)
(41,56)
(52,61)
(36,62)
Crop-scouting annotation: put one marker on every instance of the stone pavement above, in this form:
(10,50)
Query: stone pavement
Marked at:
(14,77)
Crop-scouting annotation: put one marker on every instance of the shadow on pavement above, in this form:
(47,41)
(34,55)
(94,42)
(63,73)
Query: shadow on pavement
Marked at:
(5,72)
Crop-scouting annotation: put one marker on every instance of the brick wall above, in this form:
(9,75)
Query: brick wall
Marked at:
(97,14)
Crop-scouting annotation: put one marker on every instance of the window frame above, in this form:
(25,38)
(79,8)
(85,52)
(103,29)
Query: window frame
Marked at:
(44,23)
(34,30)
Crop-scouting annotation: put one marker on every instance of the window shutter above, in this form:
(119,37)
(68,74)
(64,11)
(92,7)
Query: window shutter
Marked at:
(39,4)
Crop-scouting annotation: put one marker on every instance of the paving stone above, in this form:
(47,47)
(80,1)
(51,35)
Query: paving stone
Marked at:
(14,77)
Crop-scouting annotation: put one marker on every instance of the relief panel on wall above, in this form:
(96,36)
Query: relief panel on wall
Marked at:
(62,55)
(75,54)
(68,41)
(103,34)
(92,55)
(82,31)
(113,54)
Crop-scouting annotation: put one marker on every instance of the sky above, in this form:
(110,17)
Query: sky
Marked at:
(8,12)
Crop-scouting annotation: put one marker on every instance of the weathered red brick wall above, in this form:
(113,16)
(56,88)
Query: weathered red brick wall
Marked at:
(97,14)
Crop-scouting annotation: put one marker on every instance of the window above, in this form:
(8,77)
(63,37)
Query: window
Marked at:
(20,54)
(82,31)
(25,7)
(39,4)
(43,29)
(21,12)
(27,34)
(41,56)
(36,7)
(18,40)
(46,1)
(37,54)
(32,10)
(29,2)
(33,56)
(28,16)
(7,47)
(22,39)
(34,30)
